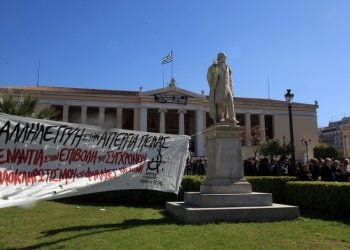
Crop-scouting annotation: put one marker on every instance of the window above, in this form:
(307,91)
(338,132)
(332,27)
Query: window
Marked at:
(128,119)
(269,127)
(153,120)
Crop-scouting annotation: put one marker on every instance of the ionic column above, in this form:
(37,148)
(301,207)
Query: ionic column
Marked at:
(83,119)
(136,119)
(262,127)
(65,114)
(248,130)
(119,123)
(162,120)
(101,116)
(199,141)
(143,119)
(182,113)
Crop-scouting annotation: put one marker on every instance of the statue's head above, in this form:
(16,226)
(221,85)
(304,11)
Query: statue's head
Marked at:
(221,57)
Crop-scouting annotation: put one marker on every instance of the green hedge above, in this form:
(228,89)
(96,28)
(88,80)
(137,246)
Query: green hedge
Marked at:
(271,184)
(267,184)
(331,197)
(190,183)
(264,184)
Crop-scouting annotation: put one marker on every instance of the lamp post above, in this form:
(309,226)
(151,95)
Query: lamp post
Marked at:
(289,99)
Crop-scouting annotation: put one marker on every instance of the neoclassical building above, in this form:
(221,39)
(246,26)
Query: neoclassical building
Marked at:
(175,110)
(337,134)
(346,140)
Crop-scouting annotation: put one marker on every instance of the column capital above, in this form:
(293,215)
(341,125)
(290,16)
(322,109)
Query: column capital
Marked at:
(182,111)
(162,110)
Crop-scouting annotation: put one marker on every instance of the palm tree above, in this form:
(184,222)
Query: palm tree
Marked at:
(25,105)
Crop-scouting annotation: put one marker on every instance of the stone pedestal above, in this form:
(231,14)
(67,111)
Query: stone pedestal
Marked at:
(225,174)
(225,195)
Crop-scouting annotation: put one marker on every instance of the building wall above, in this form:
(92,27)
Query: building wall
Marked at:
(304,129)
(333,134)
(346,141)
(79,105)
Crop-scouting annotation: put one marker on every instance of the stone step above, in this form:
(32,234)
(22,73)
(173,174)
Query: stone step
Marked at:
(229,200)
(192,214)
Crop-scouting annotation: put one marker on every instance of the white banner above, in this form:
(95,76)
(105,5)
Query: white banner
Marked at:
(43,160)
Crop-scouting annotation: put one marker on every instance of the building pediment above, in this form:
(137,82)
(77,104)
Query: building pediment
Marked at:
(172,90)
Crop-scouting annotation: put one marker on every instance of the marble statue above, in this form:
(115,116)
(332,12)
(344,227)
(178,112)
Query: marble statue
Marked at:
(221,91)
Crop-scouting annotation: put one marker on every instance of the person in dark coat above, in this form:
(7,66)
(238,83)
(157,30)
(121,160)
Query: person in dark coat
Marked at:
(326,171)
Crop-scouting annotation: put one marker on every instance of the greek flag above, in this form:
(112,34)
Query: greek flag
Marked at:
(168,58)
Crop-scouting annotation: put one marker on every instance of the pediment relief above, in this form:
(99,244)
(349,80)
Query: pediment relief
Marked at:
(172,90)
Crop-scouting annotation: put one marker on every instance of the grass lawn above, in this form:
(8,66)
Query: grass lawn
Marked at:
(55,225)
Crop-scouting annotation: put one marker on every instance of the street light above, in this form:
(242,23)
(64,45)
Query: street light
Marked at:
(289,99)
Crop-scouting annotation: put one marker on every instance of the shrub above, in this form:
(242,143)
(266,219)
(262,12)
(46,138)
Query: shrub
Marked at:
(331,197)
(273,147)
(190,183)
(271,184)
(323,151)
(264,184)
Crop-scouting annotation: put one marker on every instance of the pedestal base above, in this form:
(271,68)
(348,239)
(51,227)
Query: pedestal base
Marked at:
(191,214)
(225,194)
(223,186)
(228,200)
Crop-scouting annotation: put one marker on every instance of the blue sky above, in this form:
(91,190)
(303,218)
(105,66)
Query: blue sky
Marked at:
(303,45)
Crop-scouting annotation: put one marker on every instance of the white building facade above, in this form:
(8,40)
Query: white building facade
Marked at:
(334,135)
(175,110)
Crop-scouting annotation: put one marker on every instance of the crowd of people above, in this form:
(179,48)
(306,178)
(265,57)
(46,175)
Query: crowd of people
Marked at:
(196,166)
(314,170)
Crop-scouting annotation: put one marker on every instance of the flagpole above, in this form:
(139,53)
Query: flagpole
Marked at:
(163,74)
(172,55)
(268,87)
(167,59)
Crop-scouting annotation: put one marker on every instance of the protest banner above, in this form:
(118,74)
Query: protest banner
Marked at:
(44,160)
